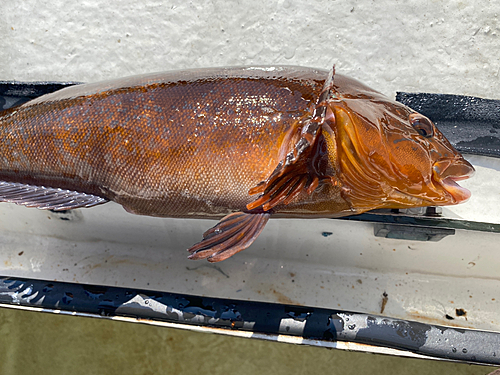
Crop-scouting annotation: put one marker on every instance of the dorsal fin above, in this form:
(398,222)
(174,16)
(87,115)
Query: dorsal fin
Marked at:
(298,171)
(46,198)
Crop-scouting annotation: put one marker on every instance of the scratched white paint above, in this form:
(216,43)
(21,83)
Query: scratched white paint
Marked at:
(433,46)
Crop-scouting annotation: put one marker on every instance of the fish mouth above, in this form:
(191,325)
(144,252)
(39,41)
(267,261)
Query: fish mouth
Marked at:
(447,172)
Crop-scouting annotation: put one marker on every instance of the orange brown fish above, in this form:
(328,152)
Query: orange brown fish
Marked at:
(236,144)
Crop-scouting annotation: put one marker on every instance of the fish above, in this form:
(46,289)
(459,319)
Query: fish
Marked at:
(239,144)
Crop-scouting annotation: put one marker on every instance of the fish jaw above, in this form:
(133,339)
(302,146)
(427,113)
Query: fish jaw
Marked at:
(447,172)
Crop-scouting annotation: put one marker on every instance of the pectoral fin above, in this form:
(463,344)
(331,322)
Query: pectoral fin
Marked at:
(301,151)
(234,233)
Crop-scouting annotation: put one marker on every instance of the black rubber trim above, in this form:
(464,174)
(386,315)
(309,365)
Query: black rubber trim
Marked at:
(267,318)
(13,93)
(471,124)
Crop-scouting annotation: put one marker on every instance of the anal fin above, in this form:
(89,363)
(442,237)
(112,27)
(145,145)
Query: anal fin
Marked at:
(232,234)
(46,198)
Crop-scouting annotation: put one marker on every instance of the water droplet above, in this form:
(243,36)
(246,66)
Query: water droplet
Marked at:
(290,52)
(454,350)
(218,231)
(48,288)
(352,326)
(464,350)
(68,297)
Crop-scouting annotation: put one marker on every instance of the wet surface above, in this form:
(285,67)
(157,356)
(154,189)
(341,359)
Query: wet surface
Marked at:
(256,317)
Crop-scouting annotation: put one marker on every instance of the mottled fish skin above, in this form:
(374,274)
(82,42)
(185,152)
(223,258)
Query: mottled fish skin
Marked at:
(286,141)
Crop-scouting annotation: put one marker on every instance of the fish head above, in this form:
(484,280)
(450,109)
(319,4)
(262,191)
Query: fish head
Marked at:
(390,156)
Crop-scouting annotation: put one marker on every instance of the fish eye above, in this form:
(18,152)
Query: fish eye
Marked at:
(422,125)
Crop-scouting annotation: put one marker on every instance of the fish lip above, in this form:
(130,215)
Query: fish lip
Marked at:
(448,172)
(459,193)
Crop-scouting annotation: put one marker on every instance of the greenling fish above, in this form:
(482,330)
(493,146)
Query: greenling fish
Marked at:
(235,144)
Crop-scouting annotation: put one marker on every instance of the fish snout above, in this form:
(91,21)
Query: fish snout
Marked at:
(448,172)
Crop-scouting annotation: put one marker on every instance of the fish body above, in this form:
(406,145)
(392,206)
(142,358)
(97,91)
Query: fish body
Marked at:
(240,144)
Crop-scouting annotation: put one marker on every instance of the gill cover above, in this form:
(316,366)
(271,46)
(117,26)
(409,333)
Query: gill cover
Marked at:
(392,157)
